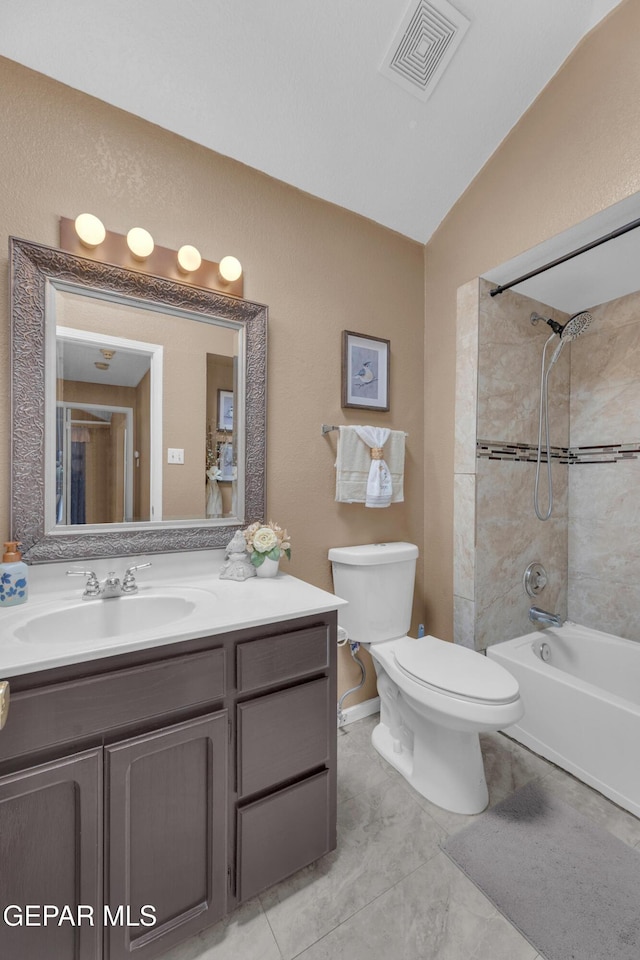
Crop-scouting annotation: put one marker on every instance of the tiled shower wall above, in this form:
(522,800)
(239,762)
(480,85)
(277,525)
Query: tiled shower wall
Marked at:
(604,497)
(496,531)
(590,547)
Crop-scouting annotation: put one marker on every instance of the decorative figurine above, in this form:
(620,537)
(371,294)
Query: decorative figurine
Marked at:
(237,566)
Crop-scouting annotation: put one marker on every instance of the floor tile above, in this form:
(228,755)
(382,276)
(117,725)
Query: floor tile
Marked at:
(359,766)
(243,935)
(435,912)
(383,835)
(508,766)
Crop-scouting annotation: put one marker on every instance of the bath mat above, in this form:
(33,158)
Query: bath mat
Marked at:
(570,887)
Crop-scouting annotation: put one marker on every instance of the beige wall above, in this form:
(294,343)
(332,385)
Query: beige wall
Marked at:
(319,268)
(574,153)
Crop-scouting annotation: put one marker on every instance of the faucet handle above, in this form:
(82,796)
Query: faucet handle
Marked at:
(129,584)
(92,586)
(137,566)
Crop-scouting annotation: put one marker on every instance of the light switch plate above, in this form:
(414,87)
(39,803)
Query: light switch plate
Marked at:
(174,455)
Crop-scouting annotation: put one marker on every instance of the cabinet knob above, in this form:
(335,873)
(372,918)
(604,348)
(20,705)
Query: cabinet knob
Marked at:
(4,702)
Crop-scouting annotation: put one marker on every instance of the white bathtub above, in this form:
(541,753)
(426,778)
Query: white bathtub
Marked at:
(582,707)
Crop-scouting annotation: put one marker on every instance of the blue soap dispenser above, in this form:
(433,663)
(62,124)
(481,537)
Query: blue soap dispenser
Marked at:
(13,576)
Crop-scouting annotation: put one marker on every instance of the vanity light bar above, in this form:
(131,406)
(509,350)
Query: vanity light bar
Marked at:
(137,251)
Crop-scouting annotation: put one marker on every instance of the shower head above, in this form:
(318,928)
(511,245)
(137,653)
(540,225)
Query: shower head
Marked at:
(572,329)
(576,325)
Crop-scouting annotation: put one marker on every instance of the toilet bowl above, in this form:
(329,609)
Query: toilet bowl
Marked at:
(435,697)
(430,723)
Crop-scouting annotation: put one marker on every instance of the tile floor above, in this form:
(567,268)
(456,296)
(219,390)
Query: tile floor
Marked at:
(388,892)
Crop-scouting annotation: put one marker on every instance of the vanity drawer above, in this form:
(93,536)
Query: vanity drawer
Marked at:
(283,833)
(262,663)
(283,735)
(64,712)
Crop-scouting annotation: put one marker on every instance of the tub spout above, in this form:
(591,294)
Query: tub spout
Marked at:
(536,615)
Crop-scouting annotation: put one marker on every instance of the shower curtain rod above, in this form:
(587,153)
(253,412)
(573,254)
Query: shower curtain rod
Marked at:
(567,256)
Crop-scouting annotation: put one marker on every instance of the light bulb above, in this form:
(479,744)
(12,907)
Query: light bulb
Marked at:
(90,230)
(230,269)
(140,242)
(189,259)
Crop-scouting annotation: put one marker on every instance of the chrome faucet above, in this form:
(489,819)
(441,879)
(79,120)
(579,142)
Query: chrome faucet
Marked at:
(129,584)
(111,586)
(537,615)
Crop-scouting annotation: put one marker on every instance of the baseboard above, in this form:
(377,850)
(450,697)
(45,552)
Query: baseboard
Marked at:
(361,710)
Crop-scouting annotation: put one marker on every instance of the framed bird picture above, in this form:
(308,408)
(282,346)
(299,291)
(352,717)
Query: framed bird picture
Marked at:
(365,371)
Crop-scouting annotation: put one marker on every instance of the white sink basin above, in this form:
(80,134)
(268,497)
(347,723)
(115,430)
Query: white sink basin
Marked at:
(87,620)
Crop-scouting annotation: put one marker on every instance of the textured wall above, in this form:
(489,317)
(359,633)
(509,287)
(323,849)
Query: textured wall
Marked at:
(575,152)
(319,268)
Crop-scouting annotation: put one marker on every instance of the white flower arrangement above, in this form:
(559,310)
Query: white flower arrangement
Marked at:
(267,540)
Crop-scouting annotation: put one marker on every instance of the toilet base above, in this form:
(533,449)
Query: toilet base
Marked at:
(444,766)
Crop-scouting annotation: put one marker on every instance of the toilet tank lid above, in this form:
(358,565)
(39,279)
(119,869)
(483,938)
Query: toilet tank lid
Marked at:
(369,554)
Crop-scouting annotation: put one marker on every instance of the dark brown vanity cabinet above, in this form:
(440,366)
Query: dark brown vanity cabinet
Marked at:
(165,825)
(171,783)
(51,854)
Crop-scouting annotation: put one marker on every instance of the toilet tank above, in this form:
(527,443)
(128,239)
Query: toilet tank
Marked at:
(377,581)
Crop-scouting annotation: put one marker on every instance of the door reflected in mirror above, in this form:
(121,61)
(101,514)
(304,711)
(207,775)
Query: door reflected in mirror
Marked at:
(145,428)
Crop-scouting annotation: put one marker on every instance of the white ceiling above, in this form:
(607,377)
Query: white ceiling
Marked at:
(77,361)
(294,89)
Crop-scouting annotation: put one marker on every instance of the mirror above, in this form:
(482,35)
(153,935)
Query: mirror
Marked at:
(138,410)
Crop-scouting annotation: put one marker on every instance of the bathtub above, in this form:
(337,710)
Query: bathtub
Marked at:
(582,706)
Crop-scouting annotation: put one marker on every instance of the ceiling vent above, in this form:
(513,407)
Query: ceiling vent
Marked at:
(427,38)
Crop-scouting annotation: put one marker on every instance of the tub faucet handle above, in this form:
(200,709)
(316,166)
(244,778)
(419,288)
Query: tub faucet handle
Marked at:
(535,579)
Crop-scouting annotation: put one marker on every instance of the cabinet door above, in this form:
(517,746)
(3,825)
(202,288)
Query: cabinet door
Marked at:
(166,836)
(283,735)
(50,854)
(282,833)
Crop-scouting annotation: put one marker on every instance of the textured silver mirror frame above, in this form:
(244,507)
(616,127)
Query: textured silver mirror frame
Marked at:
(31,266)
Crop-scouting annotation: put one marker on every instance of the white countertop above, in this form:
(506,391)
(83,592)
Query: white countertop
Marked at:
(217,607)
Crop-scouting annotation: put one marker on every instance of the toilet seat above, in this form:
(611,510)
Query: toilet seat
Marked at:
(454,670)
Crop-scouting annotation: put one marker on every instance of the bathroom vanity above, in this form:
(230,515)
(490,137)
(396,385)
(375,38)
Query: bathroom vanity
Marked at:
(175,779)
(167,755)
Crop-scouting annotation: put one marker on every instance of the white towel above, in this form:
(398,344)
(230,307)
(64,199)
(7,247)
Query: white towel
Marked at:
(359,479)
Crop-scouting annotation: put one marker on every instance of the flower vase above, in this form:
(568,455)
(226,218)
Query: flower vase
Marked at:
(268,568)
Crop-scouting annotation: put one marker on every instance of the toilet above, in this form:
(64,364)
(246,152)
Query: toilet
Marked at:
(435,697)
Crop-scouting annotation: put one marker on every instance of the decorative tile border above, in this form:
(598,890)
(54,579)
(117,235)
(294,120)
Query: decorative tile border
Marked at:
(604,453)
(596,453)
(493,450)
